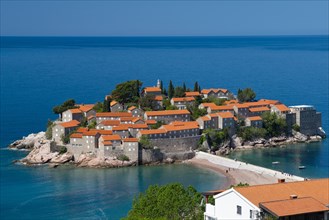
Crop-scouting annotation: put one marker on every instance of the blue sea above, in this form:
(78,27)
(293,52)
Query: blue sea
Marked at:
(38,73)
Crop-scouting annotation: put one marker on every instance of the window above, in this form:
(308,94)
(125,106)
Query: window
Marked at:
(250,216)
(238,210)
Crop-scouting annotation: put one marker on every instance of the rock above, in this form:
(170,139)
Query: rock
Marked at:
(278,139)
(29,141)
(53,165)
(236,141)
(299,137)
(62,158)
(259,145)
(169,160)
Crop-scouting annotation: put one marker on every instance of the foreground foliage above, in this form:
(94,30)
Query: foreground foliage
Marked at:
(172,201)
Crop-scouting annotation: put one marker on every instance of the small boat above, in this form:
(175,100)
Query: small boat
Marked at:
(301,167)
(275,162)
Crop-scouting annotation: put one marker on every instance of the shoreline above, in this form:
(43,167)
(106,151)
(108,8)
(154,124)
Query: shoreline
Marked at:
(240,172)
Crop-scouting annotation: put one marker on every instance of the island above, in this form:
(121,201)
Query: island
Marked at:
(137,125)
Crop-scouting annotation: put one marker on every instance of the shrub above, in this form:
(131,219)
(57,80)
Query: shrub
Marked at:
(62,150)
(251,133)
(49,131)
(296,127)
(123,157)
(145,142)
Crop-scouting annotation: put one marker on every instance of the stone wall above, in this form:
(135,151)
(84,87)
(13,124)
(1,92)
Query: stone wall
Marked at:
(173,145)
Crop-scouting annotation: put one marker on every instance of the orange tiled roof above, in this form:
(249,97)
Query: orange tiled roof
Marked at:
(131,108)
(225,114)
(152,89)
(241,105)
(184,99)
(90,133)
(136,119)
(114,137)
(90,117)
(103,132)
(139,126)
(317,189)
(126,118)
(113,103)
(259,109)
(221,107)
(207,91)
(230,102)
(269,101)
(153,131)
(178,126)
(81,130)
(167,112)
(121,127)
(75,111)
(255,118)
(294,206)
(113,114)
(208,104)
(110,122)
(130,140)
(150,122)
(158,98)
(282,107)
(86,108)
(205,118)
(189,94)
(70,124)
(76,135)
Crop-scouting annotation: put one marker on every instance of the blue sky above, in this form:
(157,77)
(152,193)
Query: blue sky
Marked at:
(162,18)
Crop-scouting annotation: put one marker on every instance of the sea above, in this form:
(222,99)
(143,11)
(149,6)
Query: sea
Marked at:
(38,73)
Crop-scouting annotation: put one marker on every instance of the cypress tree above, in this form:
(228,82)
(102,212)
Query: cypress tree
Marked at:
(196,87)
(184,87)
(171,90)
(161,87)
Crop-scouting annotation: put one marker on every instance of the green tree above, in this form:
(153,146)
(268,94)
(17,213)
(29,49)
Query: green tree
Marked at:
(172,201)
(161,87)
(49,131)
(127,92)
(251,133)
(157,125)
(68,104)
(171,90)
(92,125)
(196,87)
(99,107)
(184,87)
(216,138)
(148,102)
(246,95)
(106,103)
(179,92)
(273,124)
(144,142)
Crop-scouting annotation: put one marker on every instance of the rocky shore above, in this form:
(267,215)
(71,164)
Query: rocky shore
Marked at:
(41,151)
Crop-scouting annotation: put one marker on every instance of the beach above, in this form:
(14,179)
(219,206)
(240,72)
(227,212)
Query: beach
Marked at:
(240,172)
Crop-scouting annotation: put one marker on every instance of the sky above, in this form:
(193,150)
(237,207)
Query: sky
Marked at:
(163,18)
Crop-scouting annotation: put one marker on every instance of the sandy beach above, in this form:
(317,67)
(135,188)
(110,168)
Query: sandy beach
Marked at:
(239,172)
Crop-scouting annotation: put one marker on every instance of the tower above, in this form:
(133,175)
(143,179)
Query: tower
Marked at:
(158,83)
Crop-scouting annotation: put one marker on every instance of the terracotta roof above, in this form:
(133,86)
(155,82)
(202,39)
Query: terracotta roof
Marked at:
(107,143)
(76,135)
(230,102)
(259,109)
(137,119)
(294,206)
(207,91)
(130,140)
(183,99)
(81,130)
(208,104)
(110,122)
(90,133)
(317,189)
(269,101)
(282,107)
(131,108)
(113,103)
(139,126)
(152,89)
(255,118)
(153,131)
(189,94)
(86,108)
(113,114)
(114,137)
(90,117)
(225,114)
(150,122)
(121,127)
(167,112)
(206,118)
(126,118)
(241,105)
(181,126)
(75,111)
(70,124)
(158,98)
(221,107)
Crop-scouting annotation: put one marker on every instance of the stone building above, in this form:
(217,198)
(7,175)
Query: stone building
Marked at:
(182,102)
(255,121)
(115,106)
(257,111)
(307,118)
(102,116)
(168,116)
(136,112)
(62,129)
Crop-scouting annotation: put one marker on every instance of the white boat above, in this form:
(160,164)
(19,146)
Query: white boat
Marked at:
(275,162)
(301,167)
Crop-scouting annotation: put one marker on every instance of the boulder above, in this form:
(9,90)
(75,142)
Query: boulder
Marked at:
(259,145)
(29,141)
(236,141)
(299,137)
(62,158)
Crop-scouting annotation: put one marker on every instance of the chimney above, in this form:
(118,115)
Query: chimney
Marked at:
(281,180)
(293,196)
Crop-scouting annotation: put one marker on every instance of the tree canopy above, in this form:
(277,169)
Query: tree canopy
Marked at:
(246,95)
(172,201)
(273,124)
(179,92)
(148,102)
(68,104)
(127,92)
(171,90)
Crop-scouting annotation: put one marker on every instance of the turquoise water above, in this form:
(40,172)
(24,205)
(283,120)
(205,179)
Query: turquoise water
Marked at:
(38,73)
